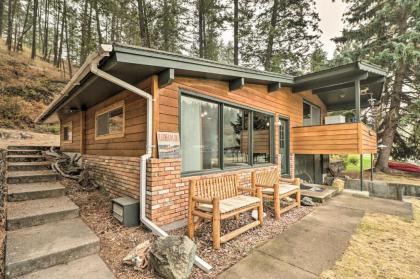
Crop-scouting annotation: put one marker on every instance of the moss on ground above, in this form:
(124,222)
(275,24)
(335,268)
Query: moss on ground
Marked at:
(384,246)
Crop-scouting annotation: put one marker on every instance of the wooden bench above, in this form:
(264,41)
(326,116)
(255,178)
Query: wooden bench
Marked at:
(276,188)
(218,198)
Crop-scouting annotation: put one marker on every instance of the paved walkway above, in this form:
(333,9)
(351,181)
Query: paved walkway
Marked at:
(315,243)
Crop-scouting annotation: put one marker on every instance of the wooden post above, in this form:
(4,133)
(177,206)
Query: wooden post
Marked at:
(357,98)
(254,183)
(216,223)
(82,115)
(371,167)
(297,182)
(260,208)
(277,201)
(191,206)
(361,172)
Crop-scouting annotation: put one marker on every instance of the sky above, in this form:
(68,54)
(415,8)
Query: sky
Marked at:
(331,25)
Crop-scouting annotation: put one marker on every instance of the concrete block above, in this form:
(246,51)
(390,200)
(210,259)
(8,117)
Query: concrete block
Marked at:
(90,267)
(43,246)
(28,166)
(14,177)
(37,212)
(32,191)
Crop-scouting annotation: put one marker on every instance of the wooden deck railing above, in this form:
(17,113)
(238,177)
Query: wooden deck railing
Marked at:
(346,138)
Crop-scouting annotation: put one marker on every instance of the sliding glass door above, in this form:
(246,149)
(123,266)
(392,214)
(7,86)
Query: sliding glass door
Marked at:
(284,139)
(311,114)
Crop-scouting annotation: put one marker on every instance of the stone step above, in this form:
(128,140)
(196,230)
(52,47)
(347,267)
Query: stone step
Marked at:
(29,147)
(33,191)
(44,246)
(23,152)
(28,166)
(14,177)
(25,158)
(90,267)
(37,212)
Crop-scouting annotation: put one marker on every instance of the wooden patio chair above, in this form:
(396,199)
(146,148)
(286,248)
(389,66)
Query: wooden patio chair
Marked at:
(276,188)
(218,198)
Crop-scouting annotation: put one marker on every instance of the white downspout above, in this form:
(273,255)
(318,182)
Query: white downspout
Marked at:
(143,159)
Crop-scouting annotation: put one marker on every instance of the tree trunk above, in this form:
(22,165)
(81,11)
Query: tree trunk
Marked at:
(56,33)
(98,25)
(236,33)
(200,28)
(60,49)
(391,119)
(68,47)
(34,19)
(84,33)
(143,24)
(25,28)
(46,18)
(9,25)
(270,40)
(1,16)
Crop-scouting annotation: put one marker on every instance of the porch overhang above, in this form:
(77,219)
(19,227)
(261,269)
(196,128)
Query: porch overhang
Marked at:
(337,87)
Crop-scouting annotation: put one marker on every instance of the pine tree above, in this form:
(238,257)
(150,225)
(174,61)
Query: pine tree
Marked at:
(386,33)
(284,35)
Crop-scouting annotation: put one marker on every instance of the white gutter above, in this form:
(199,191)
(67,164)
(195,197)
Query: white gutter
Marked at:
(105,49)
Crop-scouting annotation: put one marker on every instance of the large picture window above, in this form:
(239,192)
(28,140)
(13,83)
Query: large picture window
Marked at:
(216,135)
(199,134)
(261,138)
(235,136)
(109,122)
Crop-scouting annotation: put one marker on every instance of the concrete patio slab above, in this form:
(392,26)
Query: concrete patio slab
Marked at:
(315,243)
(374,205)
(267,268)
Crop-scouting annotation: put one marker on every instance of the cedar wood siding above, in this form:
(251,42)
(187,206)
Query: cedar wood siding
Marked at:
(132,144)
(282,102)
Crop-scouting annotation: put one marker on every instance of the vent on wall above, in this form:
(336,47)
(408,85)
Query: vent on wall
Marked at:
(126,211)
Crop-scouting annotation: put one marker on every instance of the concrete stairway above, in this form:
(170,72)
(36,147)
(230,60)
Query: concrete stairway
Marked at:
(45,236)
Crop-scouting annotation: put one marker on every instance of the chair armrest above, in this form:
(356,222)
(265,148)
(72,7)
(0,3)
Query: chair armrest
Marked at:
(265,186)
(250,190)
(201,200)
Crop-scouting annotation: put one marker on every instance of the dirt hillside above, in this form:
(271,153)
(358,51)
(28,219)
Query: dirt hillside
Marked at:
(26,88)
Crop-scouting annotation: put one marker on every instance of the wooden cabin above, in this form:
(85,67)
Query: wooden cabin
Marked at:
(229,119)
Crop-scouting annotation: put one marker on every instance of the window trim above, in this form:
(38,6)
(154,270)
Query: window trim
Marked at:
(287,119)
(312,105)
(69,125)
(114,106)
(221,103)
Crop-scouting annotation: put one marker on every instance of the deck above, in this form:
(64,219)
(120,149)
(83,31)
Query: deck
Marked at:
(346,138)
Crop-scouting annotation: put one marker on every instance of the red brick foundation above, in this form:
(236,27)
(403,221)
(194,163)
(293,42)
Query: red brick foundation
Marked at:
(118,175)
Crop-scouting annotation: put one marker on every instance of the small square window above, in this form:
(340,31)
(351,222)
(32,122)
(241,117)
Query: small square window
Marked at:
(67,132)
(109,123)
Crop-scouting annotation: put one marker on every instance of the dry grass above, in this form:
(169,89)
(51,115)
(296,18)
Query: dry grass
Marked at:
(15,138)
(117,241)
(384,246)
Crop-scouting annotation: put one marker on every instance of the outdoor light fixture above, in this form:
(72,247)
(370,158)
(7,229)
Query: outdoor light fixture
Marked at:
(342,95)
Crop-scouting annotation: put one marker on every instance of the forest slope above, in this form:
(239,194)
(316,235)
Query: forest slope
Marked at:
(26,88)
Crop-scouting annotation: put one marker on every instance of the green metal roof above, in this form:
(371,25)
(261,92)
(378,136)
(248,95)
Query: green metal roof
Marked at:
(133,64)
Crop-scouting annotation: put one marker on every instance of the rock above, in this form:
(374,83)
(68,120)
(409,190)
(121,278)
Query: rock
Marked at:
(307,201)
(25,135)
(338,184)
(138,257)
(172,257)
(254,214)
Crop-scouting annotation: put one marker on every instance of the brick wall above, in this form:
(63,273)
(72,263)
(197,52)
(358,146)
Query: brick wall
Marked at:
(167,191)
(119,175)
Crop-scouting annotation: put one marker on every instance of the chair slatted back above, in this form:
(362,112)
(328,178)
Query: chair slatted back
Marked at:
(269,177)
(222,187)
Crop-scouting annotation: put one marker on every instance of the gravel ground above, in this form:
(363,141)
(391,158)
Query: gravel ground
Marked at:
(117,241)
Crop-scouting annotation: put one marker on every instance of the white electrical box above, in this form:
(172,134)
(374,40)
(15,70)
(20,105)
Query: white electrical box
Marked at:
(335,119)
